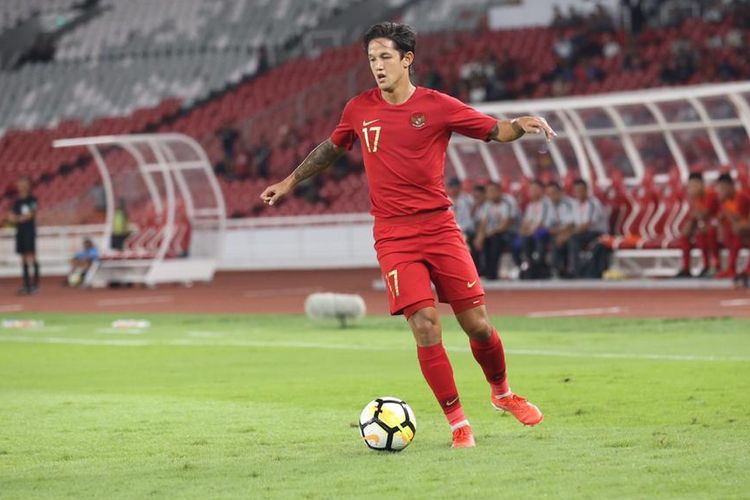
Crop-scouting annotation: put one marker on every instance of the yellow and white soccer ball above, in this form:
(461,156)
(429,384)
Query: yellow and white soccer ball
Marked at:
(387,424)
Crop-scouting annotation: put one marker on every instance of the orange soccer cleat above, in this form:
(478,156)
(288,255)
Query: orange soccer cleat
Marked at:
(525,412)
(463,438)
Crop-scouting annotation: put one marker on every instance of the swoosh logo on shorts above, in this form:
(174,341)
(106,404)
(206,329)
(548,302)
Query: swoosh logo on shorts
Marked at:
(470,284)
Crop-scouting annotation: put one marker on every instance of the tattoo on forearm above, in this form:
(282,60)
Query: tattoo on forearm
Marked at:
(518,129)
(318,160)
(506,131)
(495,132)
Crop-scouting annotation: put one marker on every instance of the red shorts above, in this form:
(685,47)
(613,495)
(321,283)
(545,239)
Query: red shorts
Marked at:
(415,251)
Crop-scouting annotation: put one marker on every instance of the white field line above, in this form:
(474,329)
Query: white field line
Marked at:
(127,301)
(735,303)
(123,331)
(11,308)
(203,334)
(594,311)
(353,347)
(278,292)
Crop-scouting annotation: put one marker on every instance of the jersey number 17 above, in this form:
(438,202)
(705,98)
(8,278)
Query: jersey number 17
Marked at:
(366,133)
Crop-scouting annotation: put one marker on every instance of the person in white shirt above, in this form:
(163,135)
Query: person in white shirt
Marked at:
(534,236)
(463,206)
(589,223)
(498,228)
(561,226)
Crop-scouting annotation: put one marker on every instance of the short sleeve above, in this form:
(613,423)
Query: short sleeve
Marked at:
(344,135)
(466,120)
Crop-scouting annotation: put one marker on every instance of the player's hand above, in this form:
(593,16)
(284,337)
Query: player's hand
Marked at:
(536,125)
(272,194)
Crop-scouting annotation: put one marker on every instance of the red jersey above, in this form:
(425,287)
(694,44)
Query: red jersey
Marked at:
(737,207)
(404,146)
(708,203)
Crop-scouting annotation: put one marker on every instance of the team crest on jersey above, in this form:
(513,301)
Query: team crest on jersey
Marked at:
(418,120)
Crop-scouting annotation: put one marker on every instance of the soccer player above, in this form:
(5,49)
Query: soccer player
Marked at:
(698,229)
(734,224)
(23,215)
(404,131)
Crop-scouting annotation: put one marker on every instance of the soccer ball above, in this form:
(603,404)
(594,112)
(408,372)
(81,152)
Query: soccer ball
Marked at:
(387,424)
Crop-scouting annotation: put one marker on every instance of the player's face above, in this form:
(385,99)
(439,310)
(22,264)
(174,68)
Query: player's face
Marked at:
(387,65)
(535,192)
(553,193)
(23,187)
(580,192)
(695,188)
(494,193)
(725,189)
(479,196)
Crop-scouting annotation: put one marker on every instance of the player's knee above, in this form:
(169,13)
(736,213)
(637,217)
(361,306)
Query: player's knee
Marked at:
(426,328)
(478,328)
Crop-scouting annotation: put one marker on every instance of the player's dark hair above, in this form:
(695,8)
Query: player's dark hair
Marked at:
(537,182)
(479,188)
(580,182)
(403,36)
(695,176)
(555,185)
(726,179)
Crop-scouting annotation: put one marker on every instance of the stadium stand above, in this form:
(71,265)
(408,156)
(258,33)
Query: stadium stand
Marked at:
(185,69)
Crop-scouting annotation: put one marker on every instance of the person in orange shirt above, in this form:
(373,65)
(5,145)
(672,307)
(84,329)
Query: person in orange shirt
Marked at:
(734,225)
(699,227)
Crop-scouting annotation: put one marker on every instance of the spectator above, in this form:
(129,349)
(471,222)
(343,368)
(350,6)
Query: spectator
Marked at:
(590,222)
(534,236)
(23,215)
(433,79)
(478,207)
(561,226)
(734,224)
(698,229)
(463,203)
(262,158)
(498,229)
(228,136)
(82,262)
(563,47)
(610,46)
(120,226)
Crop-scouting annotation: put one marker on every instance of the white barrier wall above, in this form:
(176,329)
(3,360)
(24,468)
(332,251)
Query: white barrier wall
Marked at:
(327,242)
(299,247)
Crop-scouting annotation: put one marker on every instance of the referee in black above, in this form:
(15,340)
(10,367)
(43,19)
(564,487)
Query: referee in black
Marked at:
(23,216)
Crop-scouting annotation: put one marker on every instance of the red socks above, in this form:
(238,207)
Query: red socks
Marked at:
(437,371)
(491,357)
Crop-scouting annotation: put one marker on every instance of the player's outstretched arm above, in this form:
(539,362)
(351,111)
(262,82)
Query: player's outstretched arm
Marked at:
(510,130)
(319,159)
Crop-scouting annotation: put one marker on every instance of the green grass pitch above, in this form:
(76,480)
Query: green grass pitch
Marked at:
(206,406)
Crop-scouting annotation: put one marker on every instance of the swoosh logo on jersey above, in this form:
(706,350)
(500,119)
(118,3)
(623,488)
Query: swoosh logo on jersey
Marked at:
(450,403)
(470,284)
(364,123)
